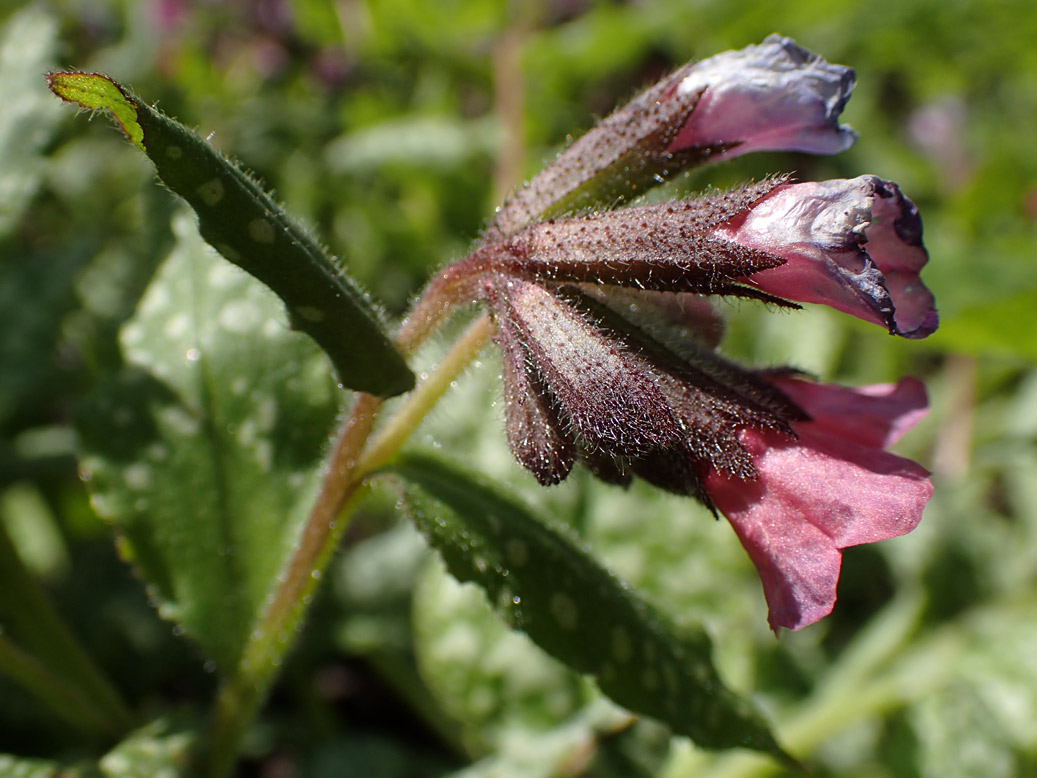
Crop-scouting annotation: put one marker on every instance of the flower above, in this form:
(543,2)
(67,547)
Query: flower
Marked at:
(588,308)
(855,245)
(799,469)
(772,96)
(582,383)
(830,486)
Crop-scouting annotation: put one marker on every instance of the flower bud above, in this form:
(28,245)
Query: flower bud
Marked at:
(583,382)
(853,244)
(771,96)
(775,96)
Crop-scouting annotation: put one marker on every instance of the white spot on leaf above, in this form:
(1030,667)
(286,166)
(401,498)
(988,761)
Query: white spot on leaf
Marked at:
(177,325)
(221,275)
(564,610)
(211,192)
(309,313)
(261,231)
(265,455)
(179,421)
(239,317)
(622,648)
(266,414)
(228,251)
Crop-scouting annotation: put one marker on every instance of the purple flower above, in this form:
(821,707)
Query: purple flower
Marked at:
(774,96)
(771,96)
(854,244)
(583,383)
(799,469)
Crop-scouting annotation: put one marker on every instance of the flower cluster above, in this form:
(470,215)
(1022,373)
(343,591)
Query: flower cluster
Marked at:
(585,307)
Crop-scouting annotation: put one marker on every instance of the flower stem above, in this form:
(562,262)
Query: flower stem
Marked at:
(422,399)
(351,462)
(242,694)
(56,667)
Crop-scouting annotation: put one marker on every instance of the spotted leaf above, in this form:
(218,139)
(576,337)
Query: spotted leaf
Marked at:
(542,582)
(245,224)
(203,452)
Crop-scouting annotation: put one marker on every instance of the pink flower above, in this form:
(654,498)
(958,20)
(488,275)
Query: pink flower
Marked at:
(853,244)
(833,486)
(601,367)
(772,96)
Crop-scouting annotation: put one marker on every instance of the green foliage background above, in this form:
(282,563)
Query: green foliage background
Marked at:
(392,127)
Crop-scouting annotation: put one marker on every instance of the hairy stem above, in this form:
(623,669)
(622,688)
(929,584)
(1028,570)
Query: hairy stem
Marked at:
(422,399)
(351,462)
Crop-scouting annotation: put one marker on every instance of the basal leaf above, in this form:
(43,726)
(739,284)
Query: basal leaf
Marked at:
(203,452)
(251,230)
(491,680)
(542,582)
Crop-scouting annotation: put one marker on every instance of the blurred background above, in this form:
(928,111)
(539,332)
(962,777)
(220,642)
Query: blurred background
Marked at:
(392,128)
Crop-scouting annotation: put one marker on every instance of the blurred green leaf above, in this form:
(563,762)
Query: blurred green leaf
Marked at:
(425,142)
(28,117)
(30,308)
(161,748)
(997,327)
(494,681)
(203,452)
(247,227)
(543,583)
(18,767)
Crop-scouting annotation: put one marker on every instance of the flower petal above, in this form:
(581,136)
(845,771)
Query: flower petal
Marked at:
(876,415)
(852,244)
(815,495)
(772,96)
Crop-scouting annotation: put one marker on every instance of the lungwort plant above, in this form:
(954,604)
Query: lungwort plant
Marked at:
(607,332)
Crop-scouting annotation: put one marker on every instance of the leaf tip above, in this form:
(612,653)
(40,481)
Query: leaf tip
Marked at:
(94,91)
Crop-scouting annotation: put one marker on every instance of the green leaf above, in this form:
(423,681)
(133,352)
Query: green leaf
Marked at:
(21,767)
(28,118)
(161,748)
(492,680)
(542,582)
(96,92)
(203,452)
(251,230)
